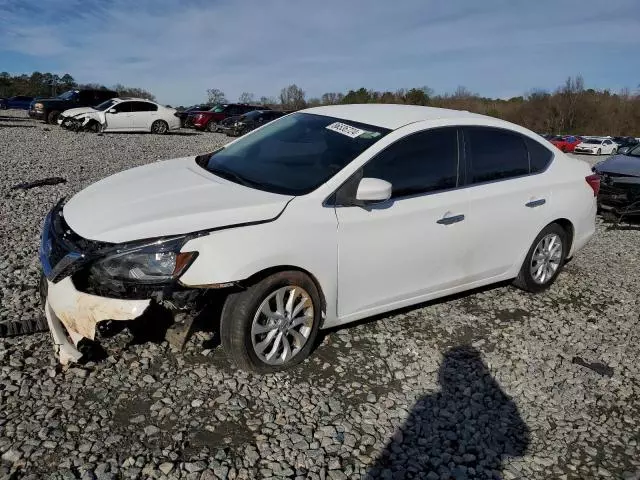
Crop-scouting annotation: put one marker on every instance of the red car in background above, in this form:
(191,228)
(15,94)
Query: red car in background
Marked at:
(567,143)
(209,119)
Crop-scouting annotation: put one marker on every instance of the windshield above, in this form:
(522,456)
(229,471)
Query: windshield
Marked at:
(634,151)
(252,115)
(593,141)
(105,105)
(294,155)
(218,109)
(67,95)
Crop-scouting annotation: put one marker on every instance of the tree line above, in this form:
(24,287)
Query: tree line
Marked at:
(569,109)
(49,85)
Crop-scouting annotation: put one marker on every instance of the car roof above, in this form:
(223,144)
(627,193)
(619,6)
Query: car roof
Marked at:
(392,116)
(128,99)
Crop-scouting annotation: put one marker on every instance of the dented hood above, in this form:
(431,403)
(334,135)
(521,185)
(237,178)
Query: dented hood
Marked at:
(72,112)
(166,198)
(621,165)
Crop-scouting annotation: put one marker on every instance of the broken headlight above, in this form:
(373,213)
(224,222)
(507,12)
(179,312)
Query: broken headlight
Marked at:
(144,266)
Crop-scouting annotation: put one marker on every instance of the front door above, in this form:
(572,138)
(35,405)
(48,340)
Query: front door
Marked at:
(393,253)
(119,117)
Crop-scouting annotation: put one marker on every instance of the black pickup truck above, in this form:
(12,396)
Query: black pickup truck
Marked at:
(48,109)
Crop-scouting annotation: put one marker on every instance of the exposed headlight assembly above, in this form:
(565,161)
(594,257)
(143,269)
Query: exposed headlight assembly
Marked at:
(159,262)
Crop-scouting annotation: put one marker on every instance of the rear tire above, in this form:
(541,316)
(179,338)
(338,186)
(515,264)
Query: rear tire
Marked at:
(212,126)
(542,265)
(52,116)
(264,343)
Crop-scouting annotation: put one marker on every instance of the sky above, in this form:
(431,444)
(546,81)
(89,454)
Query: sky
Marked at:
(179,49)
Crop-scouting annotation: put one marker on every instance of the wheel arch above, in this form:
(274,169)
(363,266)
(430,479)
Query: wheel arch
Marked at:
(262,274)
(568,227)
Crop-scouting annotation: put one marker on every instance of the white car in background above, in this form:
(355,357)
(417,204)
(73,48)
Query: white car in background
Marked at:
(597,146)
(317,219)
(122,115)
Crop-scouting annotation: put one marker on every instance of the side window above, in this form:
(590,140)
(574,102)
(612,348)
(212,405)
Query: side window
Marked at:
(539,156)
(143,107)
(495,154)
(123,107)
(233,110)
(420,163)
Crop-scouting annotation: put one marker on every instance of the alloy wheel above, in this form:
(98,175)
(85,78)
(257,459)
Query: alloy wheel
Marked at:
(282,325)
(546,258)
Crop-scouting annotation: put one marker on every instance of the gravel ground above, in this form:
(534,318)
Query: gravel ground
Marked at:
(492,384)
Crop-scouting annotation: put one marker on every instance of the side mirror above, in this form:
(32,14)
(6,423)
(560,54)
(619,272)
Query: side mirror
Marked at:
(373,190)
(113,110)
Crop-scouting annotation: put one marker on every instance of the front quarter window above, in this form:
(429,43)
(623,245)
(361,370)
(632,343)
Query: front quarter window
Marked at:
(294,155)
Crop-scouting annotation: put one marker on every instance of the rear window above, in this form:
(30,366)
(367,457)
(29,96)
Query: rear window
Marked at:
(495,154)
(539,156)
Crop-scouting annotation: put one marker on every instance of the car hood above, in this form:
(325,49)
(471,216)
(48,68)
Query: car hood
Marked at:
(588,145)
(171,197)
(620,164)
(78,111)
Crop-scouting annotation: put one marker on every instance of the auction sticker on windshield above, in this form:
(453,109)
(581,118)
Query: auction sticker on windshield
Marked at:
(345,129)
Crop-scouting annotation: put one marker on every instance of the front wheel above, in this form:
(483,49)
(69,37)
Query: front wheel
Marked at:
(599,152)
(52,117)
(159,127)
(614,151)
(212,126)
(545,259)
(273,324)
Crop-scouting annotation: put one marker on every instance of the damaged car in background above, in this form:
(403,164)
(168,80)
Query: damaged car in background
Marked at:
(122,115)
(317,219)
(619,195)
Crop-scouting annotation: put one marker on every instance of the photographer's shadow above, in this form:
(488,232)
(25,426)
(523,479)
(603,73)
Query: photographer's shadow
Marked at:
(465,431)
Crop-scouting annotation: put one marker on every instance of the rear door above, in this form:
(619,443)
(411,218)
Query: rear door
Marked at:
(143,114)
(508,198)
(395,252)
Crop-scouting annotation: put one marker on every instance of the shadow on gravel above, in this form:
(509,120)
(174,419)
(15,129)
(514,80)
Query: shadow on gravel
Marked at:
(465,431)
(16,126)
(4,118)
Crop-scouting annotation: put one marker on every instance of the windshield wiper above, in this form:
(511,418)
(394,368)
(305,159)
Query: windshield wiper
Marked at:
(234,177)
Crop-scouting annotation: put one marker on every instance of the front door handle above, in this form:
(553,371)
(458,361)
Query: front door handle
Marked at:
(450,219)
(536,203)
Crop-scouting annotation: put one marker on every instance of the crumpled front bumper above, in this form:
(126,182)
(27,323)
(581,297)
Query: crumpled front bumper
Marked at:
(73,315)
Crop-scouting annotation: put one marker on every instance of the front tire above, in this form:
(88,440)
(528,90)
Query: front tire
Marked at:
(599,152)
(273,324)
(159,127)
(52,117)
(212,126)
(545,259)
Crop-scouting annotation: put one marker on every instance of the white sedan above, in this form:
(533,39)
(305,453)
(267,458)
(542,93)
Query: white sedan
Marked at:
(320,218)
(597,146)
(122,115)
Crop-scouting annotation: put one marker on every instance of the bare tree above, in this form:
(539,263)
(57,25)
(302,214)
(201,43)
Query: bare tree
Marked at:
(267,101)
(292,97)
(215,95)
(246,97)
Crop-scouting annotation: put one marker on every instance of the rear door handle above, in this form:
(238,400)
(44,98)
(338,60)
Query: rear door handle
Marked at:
(450,219)
(536,203)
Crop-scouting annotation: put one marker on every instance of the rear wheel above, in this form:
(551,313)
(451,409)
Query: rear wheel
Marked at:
(545,259)
(212,126)
(273,324)
(52,116)
(614,151)
(159,127)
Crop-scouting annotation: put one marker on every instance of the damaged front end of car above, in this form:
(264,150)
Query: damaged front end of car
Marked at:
(88,285)
(619,195)
(83,123)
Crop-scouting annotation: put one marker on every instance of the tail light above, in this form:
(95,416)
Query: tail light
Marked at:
(594,183)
